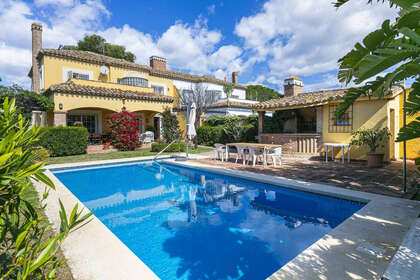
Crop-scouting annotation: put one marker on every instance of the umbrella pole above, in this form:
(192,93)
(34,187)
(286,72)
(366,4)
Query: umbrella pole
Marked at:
(188,126)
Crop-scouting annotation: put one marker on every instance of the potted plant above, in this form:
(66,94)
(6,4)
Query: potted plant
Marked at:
(374,138)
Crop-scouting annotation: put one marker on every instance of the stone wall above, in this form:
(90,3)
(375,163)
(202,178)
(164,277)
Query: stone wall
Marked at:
(294,143)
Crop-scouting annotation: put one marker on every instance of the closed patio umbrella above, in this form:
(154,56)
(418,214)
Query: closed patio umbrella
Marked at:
(191,133)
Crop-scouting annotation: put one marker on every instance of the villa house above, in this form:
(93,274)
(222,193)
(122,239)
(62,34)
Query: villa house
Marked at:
(87,87)
(308,120)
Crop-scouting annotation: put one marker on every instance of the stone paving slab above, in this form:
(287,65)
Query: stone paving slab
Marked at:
(355,175)
(406,262)
(379,226)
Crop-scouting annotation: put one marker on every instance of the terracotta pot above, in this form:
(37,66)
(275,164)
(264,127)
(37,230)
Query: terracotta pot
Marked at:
(375,159)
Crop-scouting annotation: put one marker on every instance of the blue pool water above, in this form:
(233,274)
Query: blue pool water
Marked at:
(189,224)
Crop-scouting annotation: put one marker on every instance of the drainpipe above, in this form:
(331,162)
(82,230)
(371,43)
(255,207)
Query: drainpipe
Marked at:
(404,142)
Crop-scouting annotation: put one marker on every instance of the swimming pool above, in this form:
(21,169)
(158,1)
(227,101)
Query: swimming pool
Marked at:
(189,224)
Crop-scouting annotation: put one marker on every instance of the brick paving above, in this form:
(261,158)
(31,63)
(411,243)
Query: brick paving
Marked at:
(355,175)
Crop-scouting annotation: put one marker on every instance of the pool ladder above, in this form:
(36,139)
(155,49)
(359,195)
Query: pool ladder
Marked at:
(164,149)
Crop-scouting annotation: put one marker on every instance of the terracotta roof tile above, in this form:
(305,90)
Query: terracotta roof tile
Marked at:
(87,56)
(312,98)
(73,88)
(232,104)
(309,98)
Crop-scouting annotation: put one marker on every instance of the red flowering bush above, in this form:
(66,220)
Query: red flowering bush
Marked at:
(124,130)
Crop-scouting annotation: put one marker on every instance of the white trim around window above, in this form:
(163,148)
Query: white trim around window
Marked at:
(41,77)
(66,70)
(98,116)
(159,85)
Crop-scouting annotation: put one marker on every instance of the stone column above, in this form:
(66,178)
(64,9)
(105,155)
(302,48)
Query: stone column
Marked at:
(261,115)
(319,119)
(35,118)
(60,118)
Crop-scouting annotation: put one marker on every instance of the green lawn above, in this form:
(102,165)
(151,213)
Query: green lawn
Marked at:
(115,155)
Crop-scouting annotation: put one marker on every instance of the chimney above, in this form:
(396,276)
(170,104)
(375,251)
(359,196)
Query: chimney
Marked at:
(235,78)
(36,29)
(158,63)
(293,86)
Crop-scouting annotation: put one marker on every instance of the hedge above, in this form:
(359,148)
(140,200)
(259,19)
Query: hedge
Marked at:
(173,148)
(64,141)
(209,135)
(249,133)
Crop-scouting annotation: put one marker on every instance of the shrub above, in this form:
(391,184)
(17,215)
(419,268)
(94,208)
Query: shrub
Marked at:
(170,126)
(124,128)
(173,148)
(64,141)
(27,251)
(374,138)
(208,135)
(41,153)
(248,133)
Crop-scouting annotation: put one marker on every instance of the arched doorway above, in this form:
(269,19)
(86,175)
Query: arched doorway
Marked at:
(150,121)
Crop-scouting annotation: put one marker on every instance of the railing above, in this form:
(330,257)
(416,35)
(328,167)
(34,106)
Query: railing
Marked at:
(164,149)
(305,143)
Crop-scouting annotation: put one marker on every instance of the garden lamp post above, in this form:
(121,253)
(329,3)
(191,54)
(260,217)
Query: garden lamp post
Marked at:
(404,142)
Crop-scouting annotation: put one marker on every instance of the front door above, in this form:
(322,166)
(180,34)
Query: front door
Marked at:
(156,125)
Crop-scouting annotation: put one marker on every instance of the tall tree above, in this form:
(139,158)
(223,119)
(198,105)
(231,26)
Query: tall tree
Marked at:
(197,94)
(97,44)
(170,126)
(392,54)
(228,89)
(261,93)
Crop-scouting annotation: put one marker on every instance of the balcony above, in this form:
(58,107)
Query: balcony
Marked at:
(112,85)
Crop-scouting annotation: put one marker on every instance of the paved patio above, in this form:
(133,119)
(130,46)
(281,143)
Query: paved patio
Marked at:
(354,175)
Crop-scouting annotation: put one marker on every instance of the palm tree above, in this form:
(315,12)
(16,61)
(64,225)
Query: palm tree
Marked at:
(393,49)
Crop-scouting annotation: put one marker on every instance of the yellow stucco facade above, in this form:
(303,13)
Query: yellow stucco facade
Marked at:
(374,113)
(55,71)
(413,146)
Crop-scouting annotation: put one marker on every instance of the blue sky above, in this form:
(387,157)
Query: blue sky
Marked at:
(264,40)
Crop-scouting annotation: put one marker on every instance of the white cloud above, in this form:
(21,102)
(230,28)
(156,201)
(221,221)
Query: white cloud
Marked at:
(66,24)
(307,37)
(290,37)
(187,47)
(65,3)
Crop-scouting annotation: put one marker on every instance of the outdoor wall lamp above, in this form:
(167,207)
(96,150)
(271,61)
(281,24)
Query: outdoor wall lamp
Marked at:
(60,106)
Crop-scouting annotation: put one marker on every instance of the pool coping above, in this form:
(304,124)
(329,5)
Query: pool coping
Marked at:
(353,250)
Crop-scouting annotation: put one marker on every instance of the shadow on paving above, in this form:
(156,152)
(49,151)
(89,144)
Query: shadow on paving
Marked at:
(355,175)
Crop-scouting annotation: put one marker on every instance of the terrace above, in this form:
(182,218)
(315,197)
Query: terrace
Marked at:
(354,175)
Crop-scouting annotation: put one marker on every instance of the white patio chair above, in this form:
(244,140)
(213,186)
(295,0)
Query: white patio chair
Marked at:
(220,151)
(148,137)
(276,155)
(255,153)
(241,152)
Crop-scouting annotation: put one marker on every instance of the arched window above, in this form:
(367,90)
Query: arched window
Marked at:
(133,81)
(133,78)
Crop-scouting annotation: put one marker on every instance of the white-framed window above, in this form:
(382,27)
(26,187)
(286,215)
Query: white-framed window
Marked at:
(90,119)
(70,73)
(133,81)
(217,93)
(158,88)
(41,77)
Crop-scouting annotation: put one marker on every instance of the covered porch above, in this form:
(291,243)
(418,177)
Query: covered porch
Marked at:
(298,130)
(91,107)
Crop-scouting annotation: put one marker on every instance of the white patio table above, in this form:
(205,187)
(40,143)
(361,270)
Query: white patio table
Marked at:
(342,146)
(264,146)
